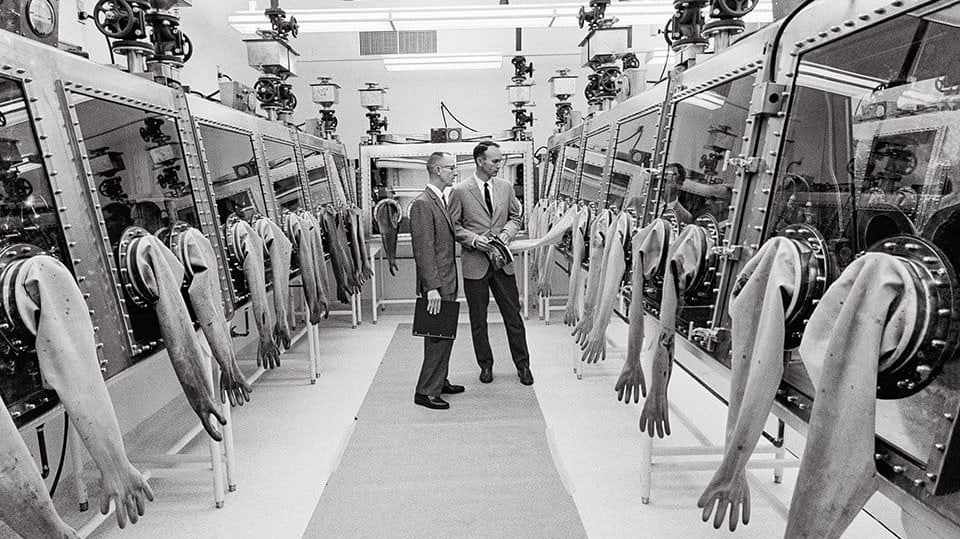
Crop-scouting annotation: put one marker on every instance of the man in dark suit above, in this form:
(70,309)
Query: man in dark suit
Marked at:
(434,250)
(484,208)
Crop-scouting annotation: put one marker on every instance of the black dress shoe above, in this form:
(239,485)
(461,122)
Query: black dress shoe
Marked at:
(435,403)
(486,374)
(526,377)
(451,389)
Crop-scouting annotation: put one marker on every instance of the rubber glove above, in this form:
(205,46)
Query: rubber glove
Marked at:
(594,274)
(52,307)
(686,253)
(758,314)
(249,250)
(595,346)
(280,250)
(866,314)
(388,214)
(200,263)
(650,246)
(580,232)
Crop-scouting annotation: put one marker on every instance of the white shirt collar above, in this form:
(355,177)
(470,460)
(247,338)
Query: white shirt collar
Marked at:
(481,182)
(436,190)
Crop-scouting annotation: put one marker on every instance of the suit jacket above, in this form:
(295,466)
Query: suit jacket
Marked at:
(434,246)
(471,219)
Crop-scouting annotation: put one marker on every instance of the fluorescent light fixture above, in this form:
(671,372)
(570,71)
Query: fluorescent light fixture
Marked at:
(837,81)
(649,12)
(471,24)
(436,62)
(706,100)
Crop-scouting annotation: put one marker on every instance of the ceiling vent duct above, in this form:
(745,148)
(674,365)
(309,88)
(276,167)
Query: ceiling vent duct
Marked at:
(403,42)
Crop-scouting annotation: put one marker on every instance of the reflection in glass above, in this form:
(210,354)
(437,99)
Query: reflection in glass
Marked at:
(873,150)
(706,132)
(594,161)
(346,176)
(284,176)
(318,182)
(568,169)
(137,163)
(233,170)
(550,172)
(404,178)
(27,215)
(632,155)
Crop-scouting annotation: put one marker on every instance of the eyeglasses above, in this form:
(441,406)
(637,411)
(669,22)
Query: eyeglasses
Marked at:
(447,167)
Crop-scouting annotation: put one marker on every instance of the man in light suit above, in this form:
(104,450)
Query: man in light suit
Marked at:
(434,251)
(482,208)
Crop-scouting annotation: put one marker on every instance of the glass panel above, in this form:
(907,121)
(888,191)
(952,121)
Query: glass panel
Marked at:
(550,172)
(594,160)
(633,153)
(137,163)
(696,184)
(400,178)
(568,169)
(318,182)
(872,151)
(28,214)
(346,175)
(404,178)
(284,175)
(236,187)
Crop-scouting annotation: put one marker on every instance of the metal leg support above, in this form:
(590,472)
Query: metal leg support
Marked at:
(313,361)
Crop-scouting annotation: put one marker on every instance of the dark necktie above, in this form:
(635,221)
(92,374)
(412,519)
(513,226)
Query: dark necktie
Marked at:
(486,197)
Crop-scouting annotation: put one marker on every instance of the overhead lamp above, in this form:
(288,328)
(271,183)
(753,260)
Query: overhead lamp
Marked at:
(373,97)
(431,62)
(563,85)
(706,100)
(649,12)
(838,81)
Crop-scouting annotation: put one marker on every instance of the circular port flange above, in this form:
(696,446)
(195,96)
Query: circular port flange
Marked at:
(12,328)
(936,328)
(130,277)
(816,273)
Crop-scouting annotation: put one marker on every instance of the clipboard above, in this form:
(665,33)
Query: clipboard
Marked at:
(442,325)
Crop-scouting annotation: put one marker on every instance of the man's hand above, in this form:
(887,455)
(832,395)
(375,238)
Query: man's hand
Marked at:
(482,243)
(433,301)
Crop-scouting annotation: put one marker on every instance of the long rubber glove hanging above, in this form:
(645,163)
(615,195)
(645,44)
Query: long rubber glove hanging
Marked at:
(758,308)
(562,225)
(649,255)
(338,254)
(685,257)
(615,263)
(861,318)
(314,231)
(200,264)
(353,284)
(353,237)
(561,219)
(162,276)
(52,307)
(357,215)
(249,248)
(294,229)
(594,273)
(388,214)
(543,227)
(580,234)
(533,231)
(280,249)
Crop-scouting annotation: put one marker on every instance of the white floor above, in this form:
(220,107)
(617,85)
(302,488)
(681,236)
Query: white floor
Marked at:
(290,436)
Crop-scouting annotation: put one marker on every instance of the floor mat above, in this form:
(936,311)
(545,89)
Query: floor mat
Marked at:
(480,469)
